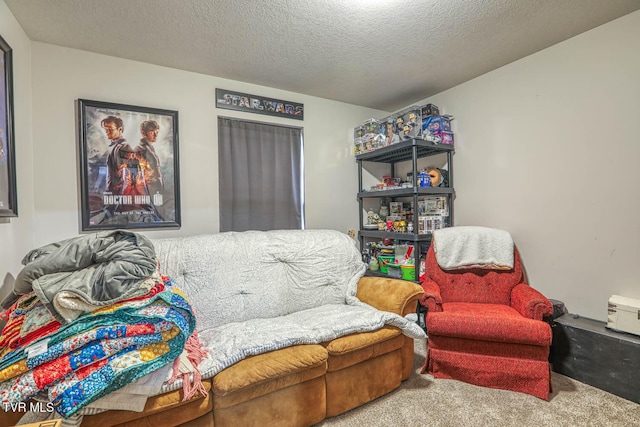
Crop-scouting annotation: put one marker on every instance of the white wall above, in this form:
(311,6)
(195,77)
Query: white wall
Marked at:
(16,237)
(62,75)
(548,148)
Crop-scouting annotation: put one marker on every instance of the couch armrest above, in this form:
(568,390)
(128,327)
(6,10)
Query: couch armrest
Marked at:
(431,297)
(529,302)
(394,295)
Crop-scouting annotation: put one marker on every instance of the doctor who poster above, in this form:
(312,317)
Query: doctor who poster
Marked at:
(128,166)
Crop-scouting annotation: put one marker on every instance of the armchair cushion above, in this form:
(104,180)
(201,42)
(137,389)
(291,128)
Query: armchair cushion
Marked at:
(487,322)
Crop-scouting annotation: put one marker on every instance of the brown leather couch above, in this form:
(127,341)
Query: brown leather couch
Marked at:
(234,278)
(295,386)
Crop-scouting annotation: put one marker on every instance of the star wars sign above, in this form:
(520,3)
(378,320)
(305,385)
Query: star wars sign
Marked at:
(238,101)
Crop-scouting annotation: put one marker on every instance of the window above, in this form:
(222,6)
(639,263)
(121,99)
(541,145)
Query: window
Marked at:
(261,176)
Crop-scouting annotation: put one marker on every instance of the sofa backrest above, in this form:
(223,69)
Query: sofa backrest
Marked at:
(474,284)
(235,276)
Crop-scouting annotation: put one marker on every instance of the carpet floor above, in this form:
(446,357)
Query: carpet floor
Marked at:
(425,401)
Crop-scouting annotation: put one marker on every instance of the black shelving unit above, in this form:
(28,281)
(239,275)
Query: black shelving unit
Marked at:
(411,149)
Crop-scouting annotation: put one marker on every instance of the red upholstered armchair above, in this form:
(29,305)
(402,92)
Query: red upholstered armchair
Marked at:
(485,327)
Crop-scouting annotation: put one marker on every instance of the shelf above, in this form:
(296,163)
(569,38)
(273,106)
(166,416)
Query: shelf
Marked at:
(404,151)
(406,192)
(370,273)
(395,235)
(378,274)
(409,150)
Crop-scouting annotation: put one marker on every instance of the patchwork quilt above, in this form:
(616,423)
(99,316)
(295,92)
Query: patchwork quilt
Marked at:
(74,364)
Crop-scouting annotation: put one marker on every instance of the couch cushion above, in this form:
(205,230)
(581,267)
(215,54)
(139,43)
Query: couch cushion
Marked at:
(352,349)
(487,322)
(194,413)
(302,404)
(180,411)
(268,372)
(236,276)
(193,408)
(361,383)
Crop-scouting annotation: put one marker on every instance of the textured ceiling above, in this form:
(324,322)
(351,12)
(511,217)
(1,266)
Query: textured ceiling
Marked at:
(383,54)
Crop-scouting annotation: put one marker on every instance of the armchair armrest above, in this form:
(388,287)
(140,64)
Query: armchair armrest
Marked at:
(396,296)
(431,297)
(529,302)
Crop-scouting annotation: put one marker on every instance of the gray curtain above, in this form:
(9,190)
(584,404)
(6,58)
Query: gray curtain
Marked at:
(260,172)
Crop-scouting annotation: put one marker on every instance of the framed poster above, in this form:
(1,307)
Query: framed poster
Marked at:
(8,195)
(128,166)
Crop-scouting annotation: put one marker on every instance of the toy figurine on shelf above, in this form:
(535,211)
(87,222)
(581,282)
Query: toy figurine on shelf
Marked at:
(391,136)
(370,215)
(407,131)
(358,140)
(424,179)
(379,141)
(399,124)
(431,137)
(384,208)
(388,180)
(412,119)
(439,177)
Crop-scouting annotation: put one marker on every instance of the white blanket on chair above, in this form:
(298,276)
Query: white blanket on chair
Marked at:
(473,247)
